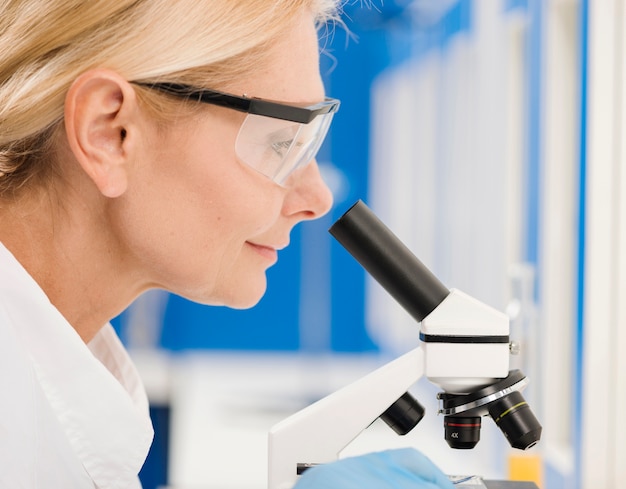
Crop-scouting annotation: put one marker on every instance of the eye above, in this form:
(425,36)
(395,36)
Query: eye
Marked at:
(281,147)
(284,138)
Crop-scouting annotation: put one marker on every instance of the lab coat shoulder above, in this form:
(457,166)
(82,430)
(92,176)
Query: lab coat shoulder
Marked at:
(34,451)
(71,415)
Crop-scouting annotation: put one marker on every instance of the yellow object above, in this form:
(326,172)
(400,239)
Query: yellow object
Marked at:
(526,468)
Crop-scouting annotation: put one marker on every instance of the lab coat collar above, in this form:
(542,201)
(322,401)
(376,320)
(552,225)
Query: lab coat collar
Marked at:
(94,389)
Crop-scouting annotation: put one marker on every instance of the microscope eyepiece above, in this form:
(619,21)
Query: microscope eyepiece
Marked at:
(389,261)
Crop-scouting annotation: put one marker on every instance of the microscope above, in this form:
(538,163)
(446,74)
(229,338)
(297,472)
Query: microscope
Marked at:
(464,350)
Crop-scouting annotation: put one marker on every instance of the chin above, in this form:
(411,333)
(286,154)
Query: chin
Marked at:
(244,297)
(249,293)
(242,303)
(235,296)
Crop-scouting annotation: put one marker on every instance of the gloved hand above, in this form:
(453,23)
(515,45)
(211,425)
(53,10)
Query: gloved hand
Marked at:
(403,468)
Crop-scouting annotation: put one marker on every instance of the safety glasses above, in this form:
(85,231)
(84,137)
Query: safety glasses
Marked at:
(275,138)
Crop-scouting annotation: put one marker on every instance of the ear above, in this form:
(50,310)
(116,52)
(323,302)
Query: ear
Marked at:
(100,123)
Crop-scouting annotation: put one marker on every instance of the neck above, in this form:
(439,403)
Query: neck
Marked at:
(64,249)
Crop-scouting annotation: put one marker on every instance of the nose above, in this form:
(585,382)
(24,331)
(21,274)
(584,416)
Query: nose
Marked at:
(308,196)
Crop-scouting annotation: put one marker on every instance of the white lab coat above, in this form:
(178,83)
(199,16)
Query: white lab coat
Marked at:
(71,415)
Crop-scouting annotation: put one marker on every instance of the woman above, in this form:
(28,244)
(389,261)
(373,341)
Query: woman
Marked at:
(130,159)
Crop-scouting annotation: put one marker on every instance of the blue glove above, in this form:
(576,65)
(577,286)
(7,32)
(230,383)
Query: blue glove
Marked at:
(403,468)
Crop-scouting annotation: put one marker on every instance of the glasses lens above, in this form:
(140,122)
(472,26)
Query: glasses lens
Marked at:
(276,148)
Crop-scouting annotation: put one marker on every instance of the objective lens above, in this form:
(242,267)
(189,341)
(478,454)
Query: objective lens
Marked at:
(514,417)
(462,432)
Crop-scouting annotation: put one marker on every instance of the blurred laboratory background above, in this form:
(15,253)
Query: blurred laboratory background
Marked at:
(489,136)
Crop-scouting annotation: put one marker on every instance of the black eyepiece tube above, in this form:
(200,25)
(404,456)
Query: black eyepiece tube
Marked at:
(389,261)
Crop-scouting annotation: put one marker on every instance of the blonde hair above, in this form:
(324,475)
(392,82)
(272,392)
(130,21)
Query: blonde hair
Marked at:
(46,44)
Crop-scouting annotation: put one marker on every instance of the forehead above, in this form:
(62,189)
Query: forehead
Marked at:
(290,71)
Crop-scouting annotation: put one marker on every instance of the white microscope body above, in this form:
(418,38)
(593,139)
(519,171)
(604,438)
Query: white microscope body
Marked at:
(464,350)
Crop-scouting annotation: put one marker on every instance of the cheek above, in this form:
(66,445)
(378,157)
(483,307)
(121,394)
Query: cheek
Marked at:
(190,215)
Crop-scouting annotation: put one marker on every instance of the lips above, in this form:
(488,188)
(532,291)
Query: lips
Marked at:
(269,252)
